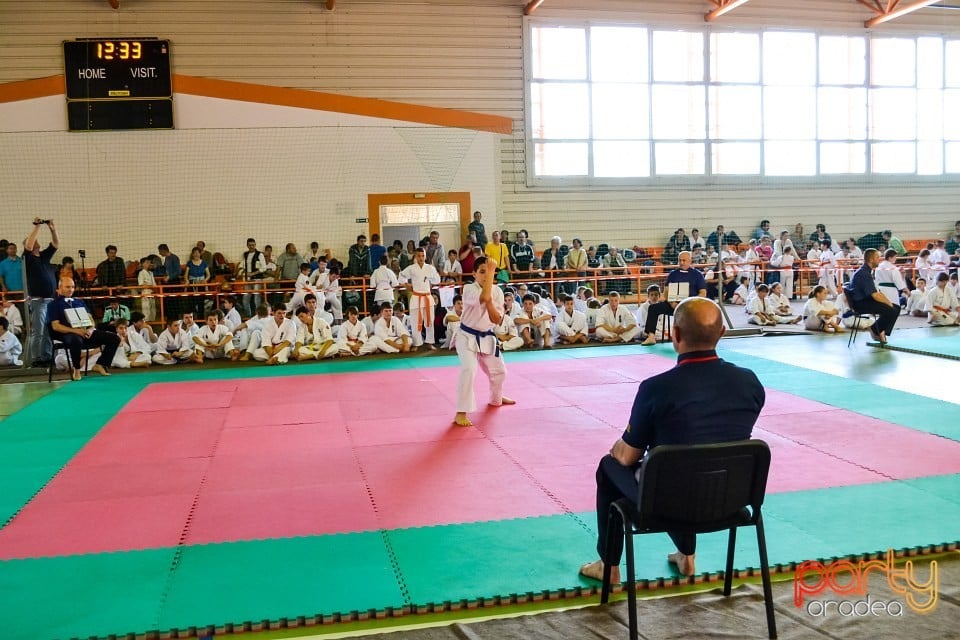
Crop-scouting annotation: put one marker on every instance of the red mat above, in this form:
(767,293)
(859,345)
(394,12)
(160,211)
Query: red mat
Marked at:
(307,455)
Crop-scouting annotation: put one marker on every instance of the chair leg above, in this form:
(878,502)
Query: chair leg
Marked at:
(765,573)
(728,573)
(631,581)
(852,338)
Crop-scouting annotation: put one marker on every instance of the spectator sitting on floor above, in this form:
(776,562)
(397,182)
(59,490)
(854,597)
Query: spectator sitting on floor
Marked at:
(761,309)
(10,347)
(615,323)
(783,313)
(917,300)
(742,293)
(571,325)
(11,312)
(942,303)
(133,351)
(820,314)
(534,324)
(174,345)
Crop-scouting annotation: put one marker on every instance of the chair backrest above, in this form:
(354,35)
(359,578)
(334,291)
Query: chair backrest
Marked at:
(696,485)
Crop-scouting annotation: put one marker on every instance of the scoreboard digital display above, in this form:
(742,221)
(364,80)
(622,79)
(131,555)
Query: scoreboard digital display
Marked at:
(118,83)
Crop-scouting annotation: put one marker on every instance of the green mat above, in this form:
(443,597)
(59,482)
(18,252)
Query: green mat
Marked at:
(359,573)
(947,346)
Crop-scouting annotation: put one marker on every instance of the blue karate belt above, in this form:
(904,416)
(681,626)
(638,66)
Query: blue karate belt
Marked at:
(482,334)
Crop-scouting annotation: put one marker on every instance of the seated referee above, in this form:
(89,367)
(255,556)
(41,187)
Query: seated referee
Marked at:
(80,337)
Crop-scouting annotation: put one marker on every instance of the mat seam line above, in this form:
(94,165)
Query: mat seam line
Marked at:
(384,533)
(182,542)
(560,503)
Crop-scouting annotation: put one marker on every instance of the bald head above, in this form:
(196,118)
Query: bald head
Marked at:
(66,287)
(698,325)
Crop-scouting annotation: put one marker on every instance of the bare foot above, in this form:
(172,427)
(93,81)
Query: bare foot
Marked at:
(245,357)
(594,571)
(685,564)
(234,355)
(75,376)
(461,420)
(272,360)
(506,400)
(98,369)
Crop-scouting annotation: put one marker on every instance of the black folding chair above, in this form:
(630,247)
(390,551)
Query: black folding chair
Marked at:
(59,345)
(858,320)
(696,489)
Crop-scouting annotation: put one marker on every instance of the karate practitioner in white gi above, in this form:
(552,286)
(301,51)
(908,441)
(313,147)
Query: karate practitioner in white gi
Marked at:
(477,344)
(419,278)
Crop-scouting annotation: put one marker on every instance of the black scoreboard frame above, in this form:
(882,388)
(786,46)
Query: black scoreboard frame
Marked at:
(118,84)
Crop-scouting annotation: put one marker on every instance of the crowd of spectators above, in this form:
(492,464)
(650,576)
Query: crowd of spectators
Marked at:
(758,273)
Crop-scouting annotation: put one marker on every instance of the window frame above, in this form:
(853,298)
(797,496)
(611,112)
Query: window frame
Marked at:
(708,178)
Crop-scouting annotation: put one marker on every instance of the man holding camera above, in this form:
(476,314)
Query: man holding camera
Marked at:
(41,287)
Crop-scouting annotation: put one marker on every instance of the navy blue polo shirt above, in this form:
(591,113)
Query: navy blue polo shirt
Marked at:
(702,400)
(862,285)
(56,309)
(41,281)
(692,276)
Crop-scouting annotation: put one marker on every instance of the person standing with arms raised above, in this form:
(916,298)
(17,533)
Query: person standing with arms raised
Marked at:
(476,343)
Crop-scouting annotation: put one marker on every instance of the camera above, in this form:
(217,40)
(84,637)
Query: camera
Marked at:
(82,253)
(39,222)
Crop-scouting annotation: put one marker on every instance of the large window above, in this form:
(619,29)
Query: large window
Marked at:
(609,104)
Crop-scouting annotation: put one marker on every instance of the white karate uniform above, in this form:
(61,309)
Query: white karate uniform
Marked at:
(146,334)
(939,260)
(15,319)
(924,270)
(777,301)
(191,331)
(207,336)
(133,344)
(254,332)
(827,277)
(148,305)
(452,266)
(811,308)
(369,325)
(383,331)
(453,328)
(274,334)
(942,298)
(757,306)
(848,318)
(917,301)
(516,309)
(889,281)
(317,342)
(786,272)
(538,330)
(568,325)
(331,292)
(300,290)
(744,292)
(478,351)
(421,302)
(508,334)
(619,318)
(180,346)
(384,282)
(351,333)
(10,349)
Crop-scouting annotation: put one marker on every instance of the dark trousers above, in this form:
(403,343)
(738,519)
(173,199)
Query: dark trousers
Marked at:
(888,314)
(654,313)
(108,343)
(615,481)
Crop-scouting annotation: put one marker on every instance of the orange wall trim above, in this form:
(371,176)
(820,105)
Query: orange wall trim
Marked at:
(282,96)
(30,89)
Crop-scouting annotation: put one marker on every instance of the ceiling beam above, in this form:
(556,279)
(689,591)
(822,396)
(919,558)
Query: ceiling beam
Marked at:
(893,10)
(531,7)
(723,6)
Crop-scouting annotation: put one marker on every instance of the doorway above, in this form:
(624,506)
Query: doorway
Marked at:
(409,216)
